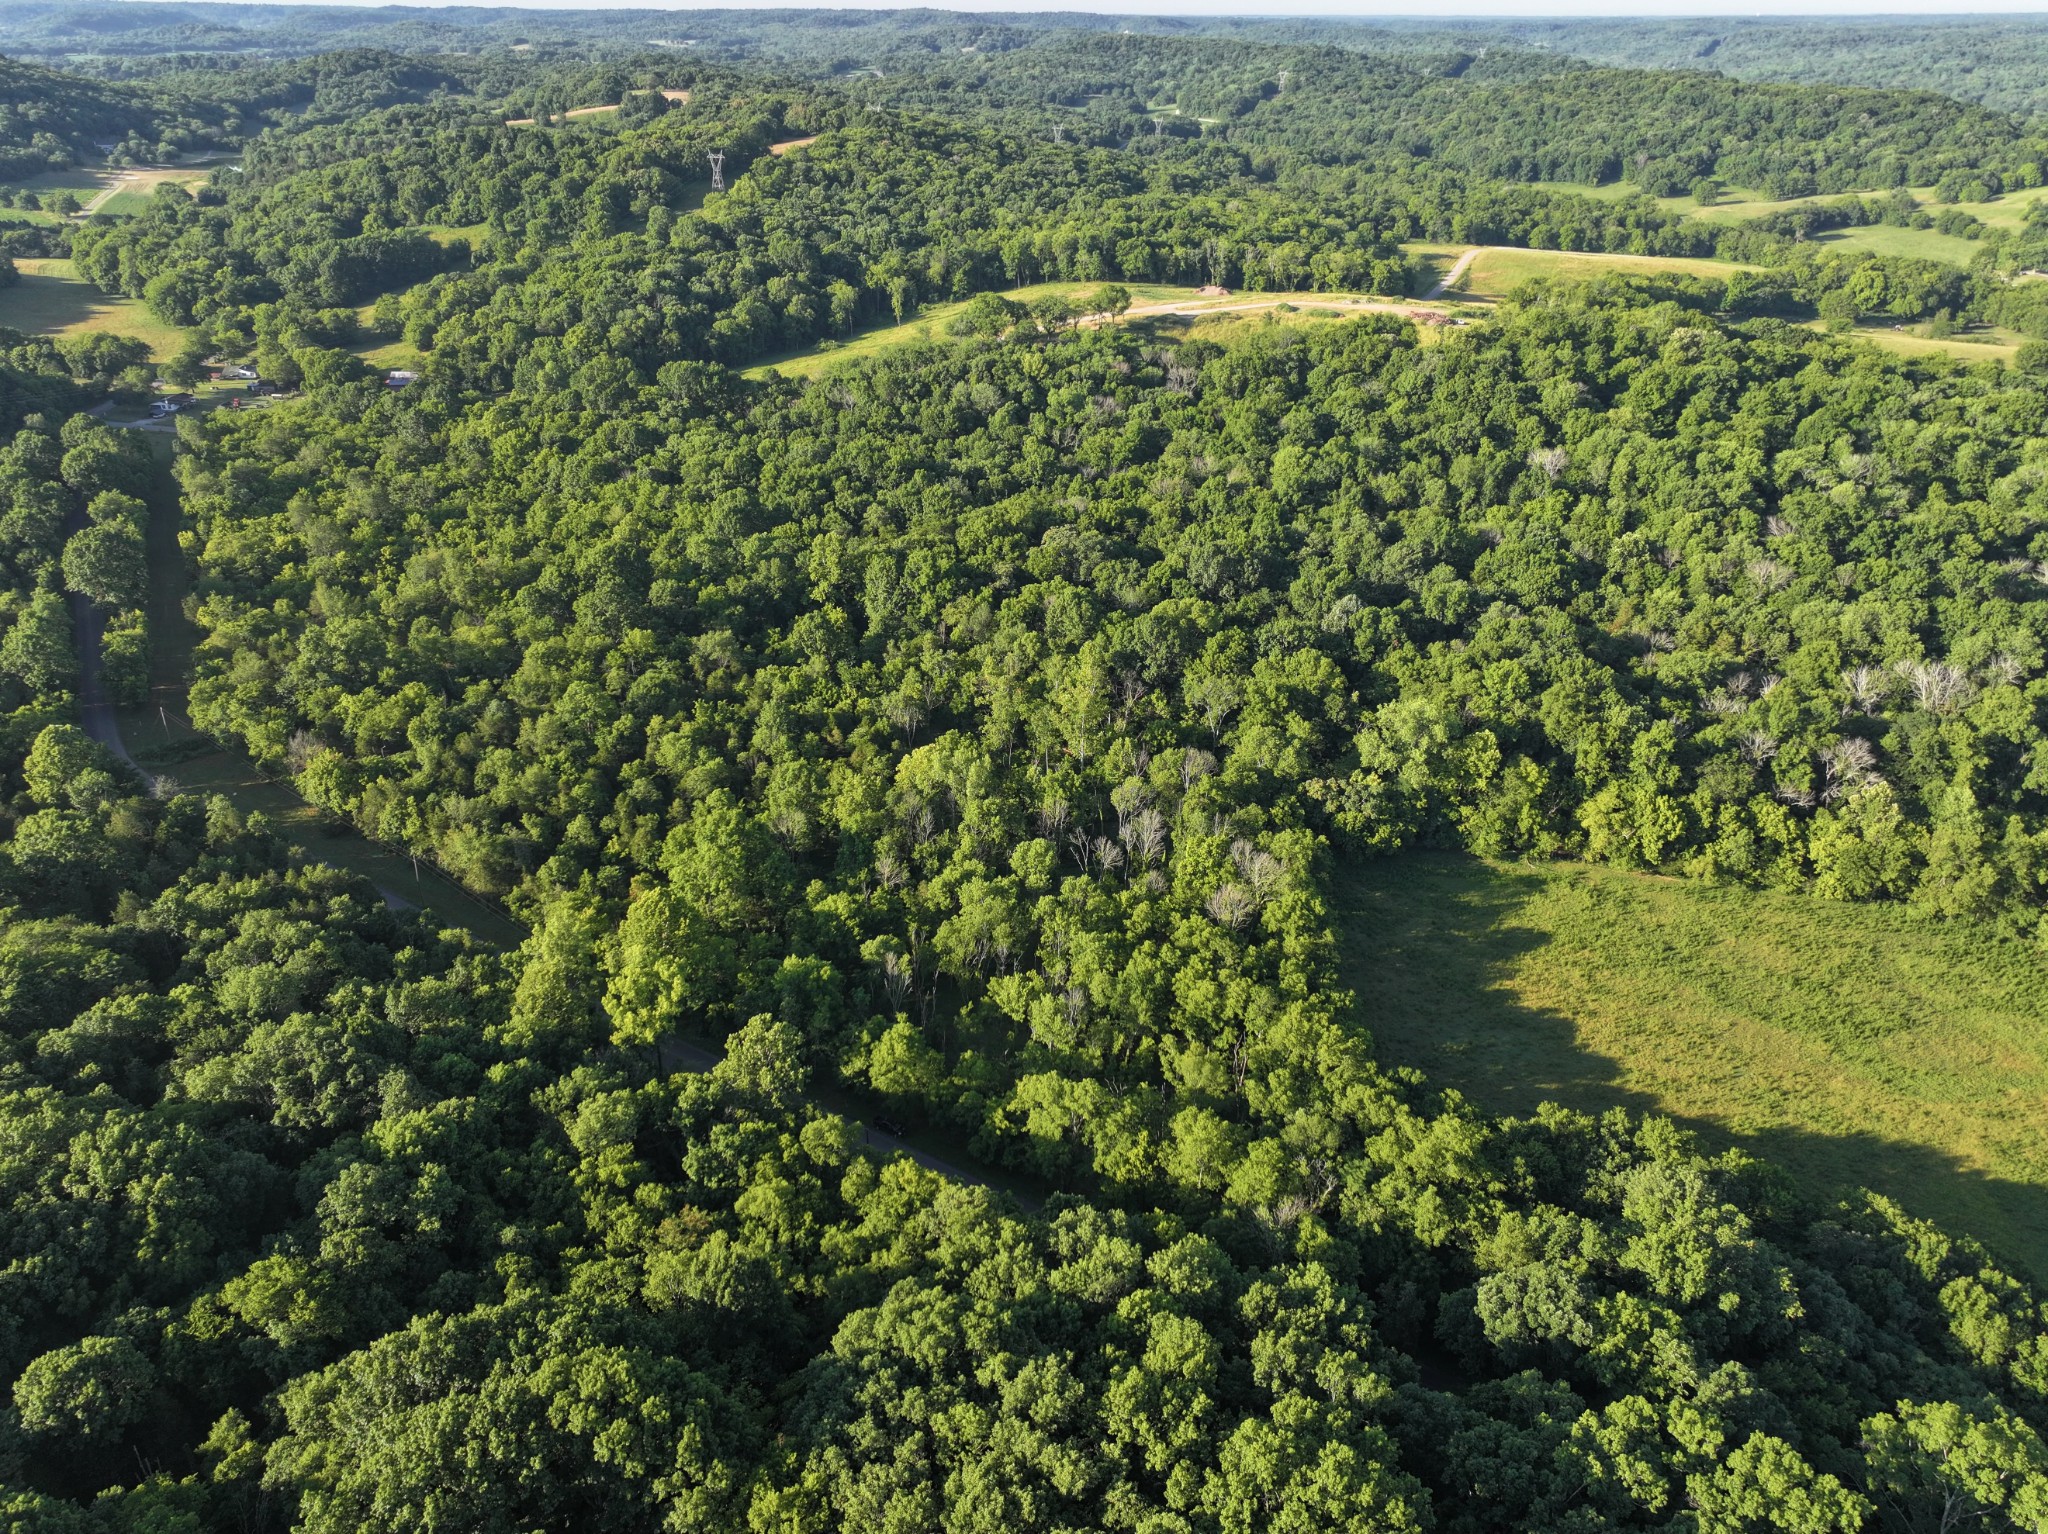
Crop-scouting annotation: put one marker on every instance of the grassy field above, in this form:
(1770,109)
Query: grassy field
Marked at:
(118,190)
(1890,240)
(1435,261)
(1988,345)
(932,324)
(390,354)
(1856,1044)
(1496,272)
(2008,212)
(1747,199)
(53,299)
(126,202)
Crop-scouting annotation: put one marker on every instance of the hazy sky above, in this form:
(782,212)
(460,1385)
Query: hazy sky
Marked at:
(1450,10)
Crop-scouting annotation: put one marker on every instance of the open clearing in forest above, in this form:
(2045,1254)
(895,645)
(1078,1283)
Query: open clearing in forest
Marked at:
(666,93)
(1859,1045)
(129,191)
(1499,269)
(1891,240)
(1739,204)
(1178,308)
(106,189)
(52,299)
(1986,345)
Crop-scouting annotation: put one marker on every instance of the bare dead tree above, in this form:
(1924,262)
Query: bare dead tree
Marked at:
(1216,700)
(1757,746)
(1259,869)
(1129,691)
(1868,686)
(907,714)
(1127,798)
(1146,836)
(1937,686)
(1053,818)
(1845,766)
(1232,905)
(895,968)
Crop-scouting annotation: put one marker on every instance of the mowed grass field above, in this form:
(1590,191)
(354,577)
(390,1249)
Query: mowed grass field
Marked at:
(1497,271)
(52,299)
(1206,315)
(1858,1045)
(1890,240)
(1987,345)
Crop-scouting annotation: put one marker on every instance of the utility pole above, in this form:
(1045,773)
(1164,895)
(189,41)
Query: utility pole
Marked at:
(717,158)
(1283,82)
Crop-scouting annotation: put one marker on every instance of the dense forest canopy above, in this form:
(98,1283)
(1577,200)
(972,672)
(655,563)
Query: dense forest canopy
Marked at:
(1662,131)
(965,740)
(1991,60)
(1995,60)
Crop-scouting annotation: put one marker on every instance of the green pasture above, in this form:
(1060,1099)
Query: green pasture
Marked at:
(1858,1045)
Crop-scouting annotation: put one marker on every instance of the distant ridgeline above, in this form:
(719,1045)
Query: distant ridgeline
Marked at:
(1996,61)
(1661,131)
(181,107)
(887,209)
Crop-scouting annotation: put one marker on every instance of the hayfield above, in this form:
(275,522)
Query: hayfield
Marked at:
(1159,305)
(52,299)
(1498,270)
(1858,1045)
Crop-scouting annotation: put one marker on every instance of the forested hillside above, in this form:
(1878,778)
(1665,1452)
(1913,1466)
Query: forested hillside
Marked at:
(967,740)
(1992,60)
(1995,60)
(477,242)
(49,121)
(1662,131)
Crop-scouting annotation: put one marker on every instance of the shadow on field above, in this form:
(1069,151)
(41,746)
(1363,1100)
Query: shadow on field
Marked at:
(1430,943)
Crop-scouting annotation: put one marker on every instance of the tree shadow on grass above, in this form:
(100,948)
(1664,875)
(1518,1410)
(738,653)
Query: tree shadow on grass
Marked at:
(1428,943)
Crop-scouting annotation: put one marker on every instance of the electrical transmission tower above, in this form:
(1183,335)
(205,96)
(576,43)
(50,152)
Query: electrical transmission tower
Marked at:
(717,158)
